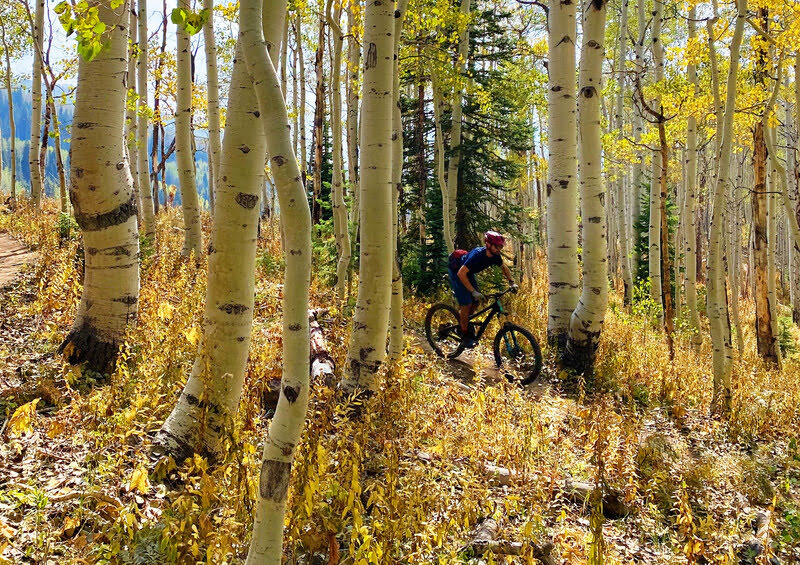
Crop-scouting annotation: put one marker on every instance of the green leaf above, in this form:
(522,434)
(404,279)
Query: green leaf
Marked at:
(61,7)
(178,16)
(99,27)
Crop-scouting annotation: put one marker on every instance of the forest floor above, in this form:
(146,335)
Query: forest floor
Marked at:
(13,257)
(442,447)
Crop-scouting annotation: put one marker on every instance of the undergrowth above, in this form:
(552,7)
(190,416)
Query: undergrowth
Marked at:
(409,481)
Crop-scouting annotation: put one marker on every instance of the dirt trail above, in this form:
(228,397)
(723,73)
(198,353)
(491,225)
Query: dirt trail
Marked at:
(13,256)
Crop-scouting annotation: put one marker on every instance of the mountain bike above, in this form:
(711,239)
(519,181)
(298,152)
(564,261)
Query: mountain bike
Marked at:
(515,349)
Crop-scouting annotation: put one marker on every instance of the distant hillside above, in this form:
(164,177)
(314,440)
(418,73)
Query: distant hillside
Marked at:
(22,117)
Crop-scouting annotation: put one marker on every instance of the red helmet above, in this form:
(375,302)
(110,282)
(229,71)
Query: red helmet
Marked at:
(494,238)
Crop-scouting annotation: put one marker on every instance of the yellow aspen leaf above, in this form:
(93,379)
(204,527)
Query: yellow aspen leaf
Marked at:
(21,420)
(165,310)
(139,480)
(193,336)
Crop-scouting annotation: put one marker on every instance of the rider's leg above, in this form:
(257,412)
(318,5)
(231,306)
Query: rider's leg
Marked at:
(464,314)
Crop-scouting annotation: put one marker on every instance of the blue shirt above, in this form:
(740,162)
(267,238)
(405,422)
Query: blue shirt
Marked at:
(477,260)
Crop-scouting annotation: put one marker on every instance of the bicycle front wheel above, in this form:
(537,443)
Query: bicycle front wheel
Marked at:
(518,354)
(442,328)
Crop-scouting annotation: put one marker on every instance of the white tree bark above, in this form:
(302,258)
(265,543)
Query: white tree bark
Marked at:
(637,176)
(193,237)
(353,58)
(439,159)
(104,204)
(716,303)
(37,182)
(586,322)
(299,40)
(622,218)
(367,348)
(12,123)
(396,314)
(654,231)
(454,162)
(131,124)
(143,166)
(212,86)
(562,193)
(341,232)
(690,202)
(287,424)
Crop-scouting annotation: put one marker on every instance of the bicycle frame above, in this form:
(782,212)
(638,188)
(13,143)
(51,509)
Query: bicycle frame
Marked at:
(494,309)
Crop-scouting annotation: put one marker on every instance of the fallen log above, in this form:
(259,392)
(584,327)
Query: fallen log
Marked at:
(613,505)
(484,539)
(321,363)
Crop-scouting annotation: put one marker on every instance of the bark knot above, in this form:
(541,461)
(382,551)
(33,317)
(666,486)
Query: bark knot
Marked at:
(247,201)
(273,483)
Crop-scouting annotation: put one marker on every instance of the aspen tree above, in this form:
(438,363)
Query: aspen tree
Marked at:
(690,201)
(12,124)
(716,303)
(367,347)
(192,236)
(341,232)
(319,119)
(439,158)
(131,125)
(301,59)
(586,322)
(637,176)
(454,162)
(562,194)
(212,86)
(353,58)
(772,250)
(765,338)
(396,314)
(622,217)
(143,166)
(654,230)
(37,181)
(287,424)
(103,201)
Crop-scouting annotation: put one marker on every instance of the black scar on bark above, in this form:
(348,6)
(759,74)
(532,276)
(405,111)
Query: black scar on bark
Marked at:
(247,201)
(90,349)
(244,149)
(279,160)
(118,215)
(120,165)
(364,352)
(233,308)
(127,299)
(167,443)
(291,393)
(294,327)
(273,482)
(371,59)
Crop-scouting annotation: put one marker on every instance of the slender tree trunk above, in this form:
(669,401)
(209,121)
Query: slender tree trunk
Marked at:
(396,314)
(131,125)
(622,216)
(716,301)
(654,232)
(734,227)
(422,163)
(690,201)
(666,286)
(37,182)
(562,194)
(637,175)
(454,162)
(104,204)
(12,123)
(212,80)
(284,56)
(62,179)
(287,424)
(367,347)
(353,58)
(145,194)
(193,237)
(303,157)
(586,323)
(319,118)
(439,158)
(772,249)
(765,338)
(341,233)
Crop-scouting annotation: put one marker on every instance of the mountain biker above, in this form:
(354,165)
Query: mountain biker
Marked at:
(463,268)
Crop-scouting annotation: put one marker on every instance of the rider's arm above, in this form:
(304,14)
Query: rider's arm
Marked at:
(462,276)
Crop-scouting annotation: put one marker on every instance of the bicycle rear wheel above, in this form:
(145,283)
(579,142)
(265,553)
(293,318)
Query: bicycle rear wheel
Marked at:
(442,328)
(518,354)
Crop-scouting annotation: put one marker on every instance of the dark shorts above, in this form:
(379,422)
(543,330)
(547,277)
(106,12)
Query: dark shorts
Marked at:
(463,296)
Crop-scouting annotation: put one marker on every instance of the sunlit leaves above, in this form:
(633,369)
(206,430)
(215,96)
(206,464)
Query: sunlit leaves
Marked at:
(191,22)
(92,35)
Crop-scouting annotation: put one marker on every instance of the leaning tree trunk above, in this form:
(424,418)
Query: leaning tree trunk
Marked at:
(104,204)
(193,237)
(367,347)
(454,162)
(287,423)
(716,302)
(690,200)
(654,232)
(586,322)
(562,194)
(212,81)
(766,340)
(36,107)
(396,314)
(12,123)
(622,216)
(341,232)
